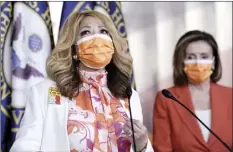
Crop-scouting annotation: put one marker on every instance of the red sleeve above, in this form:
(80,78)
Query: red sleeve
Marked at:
(161,126)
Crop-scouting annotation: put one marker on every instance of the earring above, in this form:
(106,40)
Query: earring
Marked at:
(75,57)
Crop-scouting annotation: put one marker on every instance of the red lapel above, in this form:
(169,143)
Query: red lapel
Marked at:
(183,95)
(217,111)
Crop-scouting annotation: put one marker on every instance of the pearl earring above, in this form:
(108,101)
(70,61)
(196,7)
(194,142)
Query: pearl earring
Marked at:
(75,57)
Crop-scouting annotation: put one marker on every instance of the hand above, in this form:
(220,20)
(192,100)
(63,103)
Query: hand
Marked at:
(140,133)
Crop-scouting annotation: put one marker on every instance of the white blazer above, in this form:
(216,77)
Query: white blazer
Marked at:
(44,126)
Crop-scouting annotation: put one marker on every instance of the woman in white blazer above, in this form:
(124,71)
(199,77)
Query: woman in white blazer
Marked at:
(85,105)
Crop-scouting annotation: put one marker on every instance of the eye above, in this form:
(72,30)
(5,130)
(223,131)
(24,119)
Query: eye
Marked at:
(103,31)
(205,56)
(190,57)
(84,33)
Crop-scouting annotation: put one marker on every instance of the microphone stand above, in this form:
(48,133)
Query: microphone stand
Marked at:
(131,118)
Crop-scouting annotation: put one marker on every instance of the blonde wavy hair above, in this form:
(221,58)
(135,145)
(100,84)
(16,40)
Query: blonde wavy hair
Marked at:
(60,67)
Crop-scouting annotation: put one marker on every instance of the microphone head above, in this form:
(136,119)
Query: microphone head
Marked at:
(167,93)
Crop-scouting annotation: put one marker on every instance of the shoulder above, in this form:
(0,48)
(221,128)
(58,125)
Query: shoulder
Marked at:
(223,91)
(135,104)
(135,100)
(222,88)
(45,84)
(134,93)
(135,97)
(43,89)
(173,90)
(163,102)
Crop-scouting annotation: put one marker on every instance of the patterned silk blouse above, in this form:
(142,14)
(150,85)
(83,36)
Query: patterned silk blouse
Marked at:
(96,118)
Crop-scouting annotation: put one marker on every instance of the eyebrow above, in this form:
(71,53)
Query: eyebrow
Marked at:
(205,53)
(86,26)
(190,53)
(102,26)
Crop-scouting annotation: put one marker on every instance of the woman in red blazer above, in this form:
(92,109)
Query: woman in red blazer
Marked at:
(197,68)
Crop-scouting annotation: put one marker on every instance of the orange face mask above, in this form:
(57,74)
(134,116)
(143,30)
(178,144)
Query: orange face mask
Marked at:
(198,70)
(95,51)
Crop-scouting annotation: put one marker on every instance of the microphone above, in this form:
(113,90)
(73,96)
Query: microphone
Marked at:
(129,93)
(168,94)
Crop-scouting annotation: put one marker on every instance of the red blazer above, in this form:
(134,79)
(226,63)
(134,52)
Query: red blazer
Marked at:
(176,130)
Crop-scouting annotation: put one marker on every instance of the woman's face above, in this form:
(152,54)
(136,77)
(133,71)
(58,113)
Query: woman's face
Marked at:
(199,50)
(96,52)
(91,25)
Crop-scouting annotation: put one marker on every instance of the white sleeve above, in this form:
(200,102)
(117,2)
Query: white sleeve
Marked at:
(137,114)
(29,135)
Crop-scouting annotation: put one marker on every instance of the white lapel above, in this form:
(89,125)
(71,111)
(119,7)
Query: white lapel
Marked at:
(55,137)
